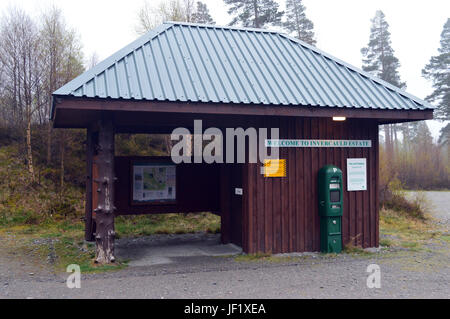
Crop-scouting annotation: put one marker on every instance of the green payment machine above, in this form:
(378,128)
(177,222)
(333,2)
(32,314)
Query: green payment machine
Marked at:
(330,209)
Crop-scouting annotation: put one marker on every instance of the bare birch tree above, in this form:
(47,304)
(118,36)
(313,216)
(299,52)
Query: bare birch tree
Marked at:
(19,56)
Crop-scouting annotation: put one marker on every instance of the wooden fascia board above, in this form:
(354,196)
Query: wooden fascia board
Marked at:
(238,109)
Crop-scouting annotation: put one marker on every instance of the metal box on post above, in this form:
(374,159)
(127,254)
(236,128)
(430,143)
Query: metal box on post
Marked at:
(330,209)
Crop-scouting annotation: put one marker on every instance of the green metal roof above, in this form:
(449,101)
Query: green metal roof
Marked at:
(187,62)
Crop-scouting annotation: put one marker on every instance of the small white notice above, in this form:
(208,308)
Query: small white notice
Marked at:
(238,191)
(356,174)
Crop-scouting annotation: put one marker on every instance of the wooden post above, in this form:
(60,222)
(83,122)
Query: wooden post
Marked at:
(88,226)
(105,234)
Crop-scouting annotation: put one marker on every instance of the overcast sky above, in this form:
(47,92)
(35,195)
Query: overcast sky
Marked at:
(342,28)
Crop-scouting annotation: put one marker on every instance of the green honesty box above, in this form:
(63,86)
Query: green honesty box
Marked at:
(331,206)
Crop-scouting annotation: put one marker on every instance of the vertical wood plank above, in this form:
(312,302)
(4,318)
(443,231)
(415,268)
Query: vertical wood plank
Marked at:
(247,229)
(373,167)
(300,189)
(307,170)
(377,187)
(225,201)
(284,196)
(352,195)
(343,165)
(276,185)
(268,199)
(260,197)
(358,126)
(366,195)
(315,238)
(292,167)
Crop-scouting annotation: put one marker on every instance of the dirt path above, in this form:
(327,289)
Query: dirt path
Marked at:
(440,202)
(403,275)
(439,205)
(423,273)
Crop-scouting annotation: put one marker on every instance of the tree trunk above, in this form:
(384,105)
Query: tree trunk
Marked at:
(49,142)
(255,8)
(63,142)
(89,226)
(105,234)
(29,150)
(168,143)
(388,141)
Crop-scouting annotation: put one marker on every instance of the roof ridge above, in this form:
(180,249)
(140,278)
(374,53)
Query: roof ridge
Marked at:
(214,26)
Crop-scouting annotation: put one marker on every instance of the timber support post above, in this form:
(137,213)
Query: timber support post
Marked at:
(105,234)
(89,222)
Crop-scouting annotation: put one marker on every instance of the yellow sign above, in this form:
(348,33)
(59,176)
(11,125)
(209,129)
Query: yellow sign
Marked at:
(275,168)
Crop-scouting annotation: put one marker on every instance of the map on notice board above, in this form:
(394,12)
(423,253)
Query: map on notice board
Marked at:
(154,183)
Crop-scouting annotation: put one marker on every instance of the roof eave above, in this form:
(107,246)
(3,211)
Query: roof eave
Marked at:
(120,105)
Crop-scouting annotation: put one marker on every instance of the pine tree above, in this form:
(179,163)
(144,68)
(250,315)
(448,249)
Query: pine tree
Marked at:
(202,14)
(379,58)
(438,71)
(255,13)
(298,23)
(380,61)
(444,138)
(444,143)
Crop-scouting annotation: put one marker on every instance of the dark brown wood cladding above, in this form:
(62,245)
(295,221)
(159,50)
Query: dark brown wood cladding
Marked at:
(278,214)
(198,188)
(281,214)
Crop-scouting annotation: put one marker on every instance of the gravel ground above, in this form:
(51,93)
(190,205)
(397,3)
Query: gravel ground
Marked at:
(440,205)
(404,274)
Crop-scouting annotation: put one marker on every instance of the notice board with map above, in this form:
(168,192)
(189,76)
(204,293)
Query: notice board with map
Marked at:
(154,183)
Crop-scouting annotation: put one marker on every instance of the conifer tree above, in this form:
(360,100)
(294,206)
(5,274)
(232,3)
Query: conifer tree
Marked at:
(298,23)
(255,13)
(379,58)
(380,61)
(202,15)
(438,71)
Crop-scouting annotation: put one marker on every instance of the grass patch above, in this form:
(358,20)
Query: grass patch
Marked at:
(252,257)
(135,226)
(355,250)
(265,257)
(405,230)
(385,242)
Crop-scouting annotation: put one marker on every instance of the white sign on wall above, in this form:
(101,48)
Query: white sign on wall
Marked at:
(318,143)
(356,174)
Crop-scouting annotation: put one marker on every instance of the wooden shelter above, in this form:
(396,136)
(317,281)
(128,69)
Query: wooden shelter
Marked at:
(229,78)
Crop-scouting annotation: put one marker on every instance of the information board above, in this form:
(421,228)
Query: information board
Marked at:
(356,174)
(154,182)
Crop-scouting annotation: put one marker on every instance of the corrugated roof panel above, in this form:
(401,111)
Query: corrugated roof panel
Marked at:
(198,63)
